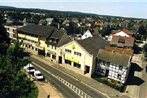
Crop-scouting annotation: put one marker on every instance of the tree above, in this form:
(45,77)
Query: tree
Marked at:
(14,82)
(4,39)
(145,50)
(106,31)
(142,31)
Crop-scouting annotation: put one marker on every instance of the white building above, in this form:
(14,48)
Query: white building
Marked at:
(113,65)
(12,31)
(86,35)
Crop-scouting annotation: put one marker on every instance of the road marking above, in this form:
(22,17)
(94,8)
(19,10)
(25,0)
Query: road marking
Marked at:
(74,78)
(65,82)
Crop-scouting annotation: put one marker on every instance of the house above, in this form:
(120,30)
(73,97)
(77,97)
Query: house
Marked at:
(79,55)
(123,42)
(66,22)
(122,33)
(42,22)
(54,42)
(12,31)
(34,37)
(49,20)
(113,65)
(86,35)
(27,21)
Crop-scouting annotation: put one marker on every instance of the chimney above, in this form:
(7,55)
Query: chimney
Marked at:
(58,26)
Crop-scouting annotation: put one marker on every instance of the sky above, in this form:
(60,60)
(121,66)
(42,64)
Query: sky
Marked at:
(125,8)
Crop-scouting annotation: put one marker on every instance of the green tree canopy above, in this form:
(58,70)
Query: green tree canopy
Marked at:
(145,49)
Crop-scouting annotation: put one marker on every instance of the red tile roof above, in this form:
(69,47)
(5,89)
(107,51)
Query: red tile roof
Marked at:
(119,50)
(122,41)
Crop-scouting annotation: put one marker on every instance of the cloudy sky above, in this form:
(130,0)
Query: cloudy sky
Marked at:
(126,8)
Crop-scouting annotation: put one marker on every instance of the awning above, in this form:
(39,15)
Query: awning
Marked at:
(51,52)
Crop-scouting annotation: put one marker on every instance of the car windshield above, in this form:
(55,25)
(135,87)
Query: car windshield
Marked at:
(39,74)
(30,68)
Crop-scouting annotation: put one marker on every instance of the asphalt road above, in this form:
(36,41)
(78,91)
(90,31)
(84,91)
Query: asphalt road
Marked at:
(143,87)
(66,92)
(61,87)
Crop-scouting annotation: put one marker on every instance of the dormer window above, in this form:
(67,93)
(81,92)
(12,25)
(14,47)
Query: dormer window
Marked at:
(50,40)
(56,40)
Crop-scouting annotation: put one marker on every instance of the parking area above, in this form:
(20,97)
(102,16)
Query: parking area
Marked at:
(46,89)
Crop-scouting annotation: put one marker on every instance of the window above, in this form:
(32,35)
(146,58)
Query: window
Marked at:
(50,40)
(120,67)
(48,54)
(121,40)
(119,76)
(77,65)
(77,53)
(67,50)
(53,56)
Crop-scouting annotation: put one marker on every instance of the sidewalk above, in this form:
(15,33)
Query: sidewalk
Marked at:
(46,89)
(106,90)
(133,90)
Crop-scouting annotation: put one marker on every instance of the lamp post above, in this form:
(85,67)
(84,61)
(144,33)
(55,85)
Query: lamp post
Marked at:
(29,61)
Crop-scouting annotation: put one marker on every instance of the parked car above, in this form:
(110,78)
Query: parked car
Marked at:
(28,65)
(29,68)
(38,75)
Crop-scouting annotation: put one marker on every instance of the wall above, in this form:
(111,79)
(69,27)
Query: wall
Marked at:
(84,59)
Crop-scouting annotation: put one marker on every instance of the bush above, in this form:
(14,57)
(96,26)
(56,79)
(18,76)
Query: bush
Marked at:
(112,83)
(34,92)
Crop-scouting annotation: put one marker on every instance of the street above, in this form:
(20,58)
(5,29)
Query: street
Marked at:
(67,92)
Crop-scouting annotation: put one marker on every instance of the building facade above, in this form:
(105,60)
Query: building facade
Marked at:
(54,42)
(113,65)
(80,54)
(34,37)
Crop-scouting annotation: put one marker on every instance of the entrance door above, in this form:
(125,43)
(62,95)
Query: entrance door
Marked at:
(107,72)
(41,52)
(67,62)
(60,60)
(87,69)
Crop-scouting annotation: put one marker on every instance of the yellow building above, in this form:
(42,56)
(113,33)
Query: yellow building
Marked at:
(34,37)
(80,55)
(54,41)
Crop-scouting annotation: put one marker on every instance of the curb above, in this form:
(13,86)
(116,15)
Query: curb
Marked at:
(74,77)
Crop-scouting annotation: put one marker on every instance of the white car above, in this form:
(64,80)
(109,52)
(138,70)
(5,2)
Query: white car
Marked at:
(38,75)
(28,65)
(29,68)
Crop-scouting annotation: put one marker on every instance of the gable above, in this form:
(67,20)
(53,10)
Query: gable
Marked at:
(121,34)
(87,34)
(75,47)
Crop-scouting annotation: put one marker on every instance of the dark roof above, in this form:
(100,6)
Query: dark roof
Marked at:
(60,36)
(44,31)
(128,41)
(115,58)
(93,44)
